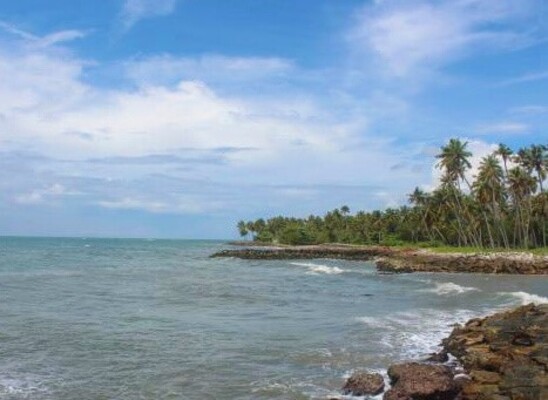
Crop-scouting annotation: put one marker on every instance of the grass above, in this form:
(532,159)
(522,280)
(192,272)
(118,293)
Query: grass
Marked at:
(541,251)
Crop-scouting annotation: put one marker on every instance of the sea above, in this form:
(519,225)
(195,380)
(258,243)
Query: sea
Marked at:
(85,318)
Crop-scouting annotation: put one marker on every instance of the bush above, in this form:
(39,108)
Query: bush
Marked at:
(296,235)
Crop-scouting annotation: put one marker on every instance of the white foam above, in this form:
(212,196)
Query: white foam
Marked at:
(449,288)
(527,298)
(414,334)
(375,322)
(21,387)
(319,268)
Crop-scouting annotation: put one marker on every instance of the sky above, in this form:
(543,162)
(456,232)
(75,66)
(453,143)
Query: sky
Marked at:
(177,118)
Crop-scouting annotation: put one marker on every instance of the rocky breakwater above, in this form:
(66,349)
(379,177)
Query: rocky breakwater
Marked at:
(343,252)
(399,260)
(429,261)
(501,357)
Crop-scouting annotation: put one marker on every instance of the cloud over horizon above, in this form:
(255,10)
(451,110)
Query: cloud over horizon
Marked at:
(230,134)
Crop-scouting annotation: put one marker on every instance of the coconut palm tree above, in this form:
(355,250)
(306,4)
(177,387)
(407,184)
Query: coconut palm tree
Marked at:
(489,191)
(504,152)
(454,160)
(242,228)
(539,162)
(521,186)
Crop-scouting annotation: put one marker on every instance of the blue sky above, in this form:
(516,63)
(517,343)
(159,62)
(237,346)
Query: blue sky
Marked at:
(177,118)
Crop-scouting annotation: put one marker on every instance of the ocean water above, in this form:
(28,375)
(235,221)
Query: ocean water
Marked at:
(158,319)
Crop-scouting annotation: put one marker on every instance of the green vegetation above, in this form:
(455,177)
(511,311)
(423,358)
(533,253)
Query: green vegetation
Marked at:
(504,207)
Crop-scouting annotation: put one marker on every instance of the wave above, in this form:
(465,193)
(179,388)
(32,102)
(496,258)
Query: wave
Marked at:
(448,288)
(415,334)
(26,387)
(526,298)
(319,268)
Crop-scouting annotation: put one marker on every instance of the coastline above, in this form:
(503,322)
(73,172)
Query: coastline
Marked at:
(398,260)
(503,356)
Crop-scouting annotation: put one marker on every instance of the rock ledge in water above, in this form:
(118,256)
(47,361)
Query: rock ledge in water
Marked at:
(505,355)
(364,383)
(421,381)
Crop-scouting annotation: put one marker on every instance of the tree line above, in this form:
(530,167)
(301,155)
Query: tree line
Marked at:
(503,206)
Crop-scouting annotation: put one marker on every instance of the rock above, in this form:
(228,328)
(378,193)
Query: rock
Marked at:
(504,354)
(364,383)
(394,394)
(440,357)
(523,339)
(486,377)
(397,260)
(421,381)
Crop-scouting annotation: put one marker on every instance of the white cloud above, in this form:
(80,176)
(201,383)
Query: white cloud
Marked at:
(167,69)
(43,41)
(38,196)
(48,110)
(501,128)
(60,37)
(135,10)
(126,148)
(530,110)
(411,38)
(181,205)
(526,78)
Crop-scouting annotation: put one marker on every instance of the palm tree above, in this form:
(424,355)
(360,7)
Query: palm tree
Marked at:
(489,190)
(242,228)
(417,197)
(539,161)
(505,153)
(521,186)
(453,161)
(504,207)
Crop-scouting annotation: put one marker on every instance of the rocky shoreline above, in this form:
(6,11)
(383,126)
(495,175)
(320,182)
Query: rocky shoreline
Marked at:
(400,260)
(500,357)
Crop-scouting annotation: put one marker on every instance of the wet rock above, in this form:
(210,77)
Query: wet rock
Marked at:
(364,383)
(523,339)
(509,362)
(421,381)
(393,265)
(485,377)
(440,357)
(394,394)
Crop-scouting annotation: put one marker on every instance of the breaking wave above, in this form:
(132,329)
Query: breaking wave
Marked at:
(449,288)
(526,298)
(319,268)
(414,334)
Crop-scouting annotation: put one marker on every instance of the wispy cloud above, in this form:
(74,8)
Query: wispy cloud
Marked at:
(167,69)
(530,110)
(42,195)
(502,128)
(134,11)
(43,41)
(526,78)
(418,36)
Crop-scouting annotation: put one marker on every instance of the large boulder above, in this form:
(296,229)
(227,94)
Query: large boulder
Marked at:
(421,382)
(364,383)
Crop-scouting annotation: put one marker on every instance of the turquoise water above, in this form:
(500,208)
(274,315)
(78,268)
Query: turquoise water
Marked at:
(142,319)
